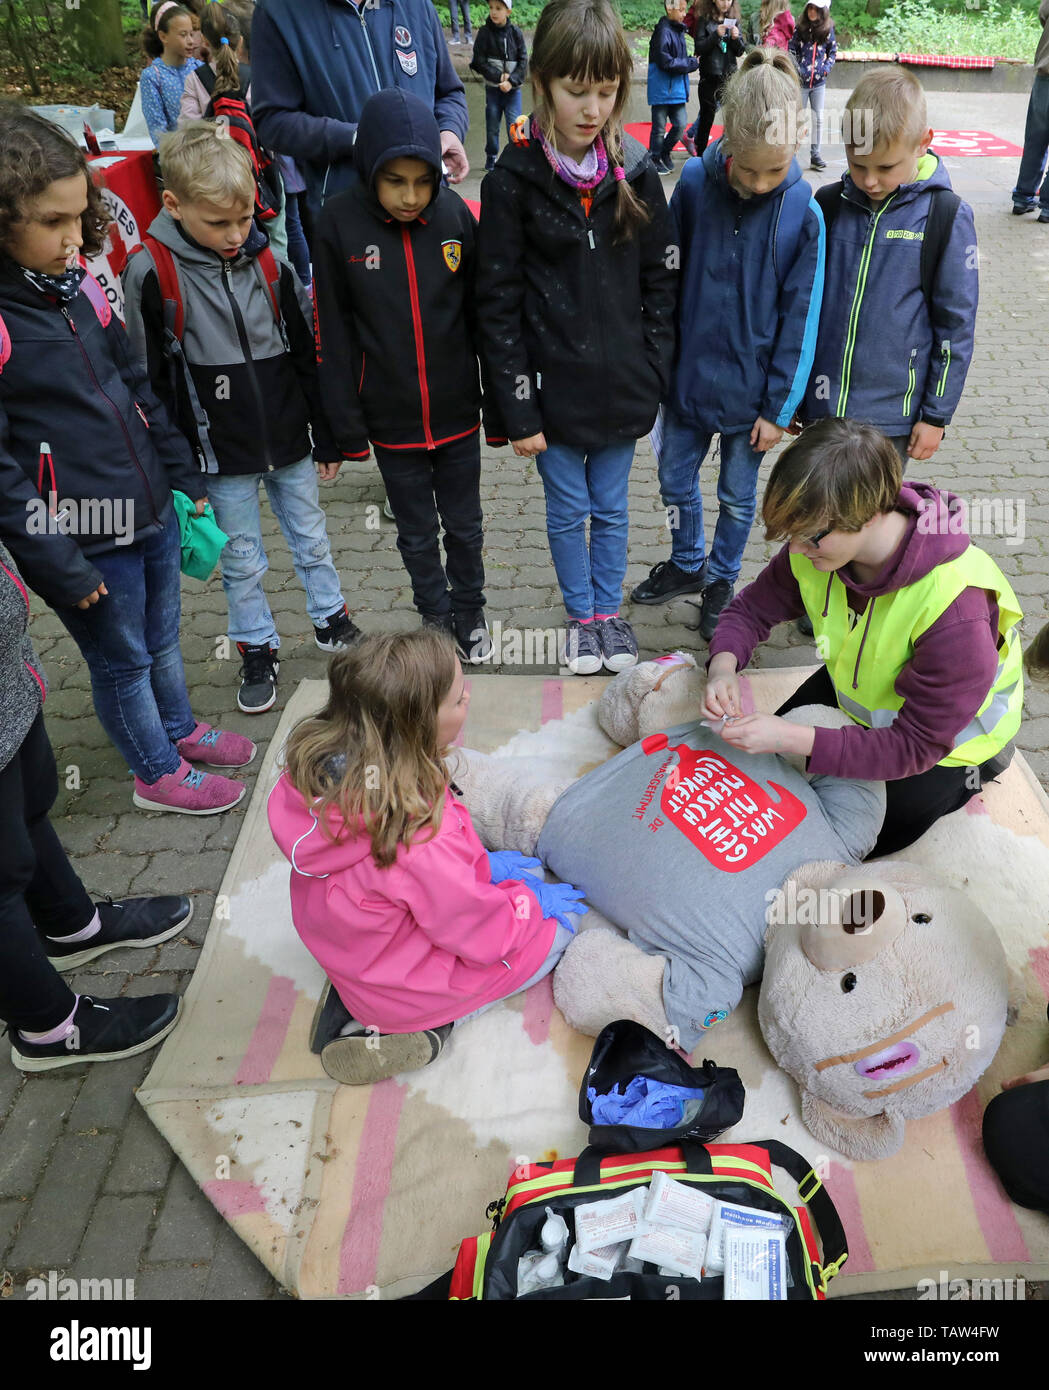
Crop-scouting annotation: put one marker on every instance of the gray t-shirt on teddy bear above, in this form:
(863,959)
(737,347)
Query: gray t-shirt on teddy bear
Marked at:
(680,840)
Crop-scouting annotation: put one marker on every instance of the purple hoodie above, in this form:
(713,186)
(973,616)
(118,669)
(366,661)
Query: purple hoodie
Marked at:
(947,678)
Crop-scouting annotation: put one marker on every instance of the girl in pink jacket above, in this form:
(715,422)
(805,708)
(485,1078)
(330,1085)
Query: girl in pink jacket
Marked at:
(392,892)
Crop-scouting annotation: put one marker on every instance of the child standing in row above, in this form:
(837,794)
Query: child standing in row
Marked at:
(394,263)
(501,57)
(242,361)
(719,46)
(168,40)
(415,925)
(776,24)
(814,49)
(87,444)
(669,64)
(896,334)
(752,248)
(575,306)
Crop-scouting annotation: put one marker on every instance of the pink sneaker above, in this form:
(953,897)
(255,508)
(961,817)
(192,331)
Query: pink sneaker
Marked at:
(216,749)
(189,791)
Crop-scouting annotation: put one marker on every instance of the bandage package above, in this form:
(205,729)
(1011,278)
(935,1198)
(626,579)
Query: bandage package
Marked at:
(674,1249)
(755,1263)
(599,1224)
(746,1218)
(673,1203)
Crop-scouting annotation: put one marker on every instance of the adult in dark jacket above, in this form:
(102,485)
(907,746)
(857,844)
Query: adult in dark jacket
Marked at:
(394,263)
(316,62)
(47,921)
(501,57)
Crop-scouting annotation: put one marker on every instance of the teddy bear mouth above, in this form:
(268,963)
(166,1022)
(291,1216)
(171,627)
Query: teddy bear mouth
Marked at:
(892,1061)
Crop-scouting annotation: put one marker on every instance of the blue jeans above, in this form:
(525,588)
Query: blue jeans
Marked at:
(816,97)
(295,502)
(660,145)
(1036,146)
(684,448)
(560,943)
(497,106)
(582,484)
(453,7)
(129,640)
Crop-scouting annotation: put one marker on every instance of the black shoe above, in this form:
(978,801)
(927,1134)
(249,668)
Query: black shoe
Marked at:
(329,1019)
(440,622)
(258,684)
(1043,217)
(716,598)
(1020,208)
(338,632)
(804,626)
(102,1030)
(489,165)
(618,643)
(662,167)
(817,163)
(127,922)
(472,636)
(365,1058)
(665,582)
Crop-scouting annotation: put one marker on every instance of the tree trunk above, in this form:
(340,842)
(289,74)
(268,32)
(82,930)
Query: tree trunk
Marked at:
(92,35)
(874,7)
(16,40)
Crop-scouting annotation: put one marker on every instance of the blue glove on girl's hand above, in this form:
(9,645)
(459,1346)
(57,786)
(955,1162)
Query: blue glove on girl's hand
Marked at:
(507,863)
(557,900)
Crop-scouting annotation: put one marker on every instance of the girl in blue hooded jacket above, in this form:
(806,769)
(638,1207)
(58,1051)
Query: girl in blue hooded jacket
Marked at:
(751,240)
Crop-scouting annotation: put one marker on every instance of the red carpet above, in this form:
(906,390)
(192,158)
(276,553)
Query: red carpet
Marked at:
(641,130)
(946,142)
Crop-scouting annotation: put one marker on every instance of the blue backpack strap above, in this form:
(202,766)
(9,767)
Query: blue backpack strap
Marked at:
(786,231)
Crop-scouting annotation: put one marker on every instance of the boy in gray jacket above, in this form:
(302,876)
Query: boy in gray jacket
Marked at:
(225,331)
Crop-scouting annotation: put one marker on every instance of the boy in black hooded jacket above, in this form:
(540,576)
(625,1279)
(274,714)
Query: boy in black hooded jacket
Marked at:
(393,270)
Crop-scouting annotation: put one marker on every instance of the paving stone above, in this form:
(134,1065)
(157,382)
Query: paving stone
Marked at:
(143,1160)
(115,1237)
(237,1273)
(185,1285)
(187,1225)
(31,1129)
(12,1213)
(108,1094)
(62,1205)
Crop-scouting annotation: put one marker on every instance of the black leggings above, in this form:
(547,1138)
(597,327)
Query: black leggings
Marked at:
(912,804)
(40,893)
(1016,1141)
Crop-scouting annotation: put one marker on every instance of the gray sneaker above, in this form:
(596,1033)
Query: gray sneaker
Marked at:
(581,649)
(365,1058)
(618,644)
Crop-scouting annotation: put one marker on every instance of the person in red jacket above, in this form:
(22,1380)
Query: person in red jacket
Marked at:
(392,892)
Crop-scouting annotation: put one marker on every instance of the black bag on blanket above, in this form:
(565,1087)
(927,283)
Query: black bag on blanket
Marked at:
(625,1049)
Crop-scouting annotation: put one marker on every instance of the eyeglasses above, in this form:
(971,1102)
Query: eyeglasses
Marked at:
(814,541)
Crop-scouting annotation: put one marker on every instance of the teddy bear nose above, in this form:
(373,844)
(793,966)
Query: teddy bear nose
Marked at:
(855,919)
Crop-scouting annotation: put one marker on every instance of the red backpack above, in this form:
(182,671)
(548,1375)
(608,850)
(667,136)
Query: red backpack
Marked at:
(232,109)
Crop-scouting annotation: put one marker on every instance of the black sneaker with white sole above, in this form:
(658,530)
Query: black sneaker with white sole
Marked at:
(472,636)
(126,922)
(440,622)
(258,678)
(101,1030)
(716,598)
(337,632)
(667,581)
(618,643)
(367,1057)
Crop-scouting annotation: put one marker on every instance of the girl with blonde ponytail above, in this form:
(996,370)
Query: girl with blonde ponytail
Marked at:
(575,290)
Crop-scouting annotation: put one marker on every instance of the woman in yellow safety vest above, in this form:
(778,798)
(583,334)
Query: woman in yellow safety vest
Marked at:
(917,628)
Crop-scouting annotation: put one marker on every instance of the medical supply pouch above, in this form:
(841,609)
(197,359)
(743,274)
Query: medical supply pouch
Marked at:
(487,1266)
(624,1050)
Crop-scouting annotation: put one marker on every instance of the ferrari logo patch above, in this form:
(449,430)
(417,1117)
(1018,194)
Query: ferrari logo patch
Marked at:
(453,253)
(409,61)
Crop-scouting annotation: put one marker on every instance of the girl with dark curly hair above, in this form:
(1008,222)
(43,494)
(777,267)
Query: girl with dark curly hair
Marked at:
(88,460)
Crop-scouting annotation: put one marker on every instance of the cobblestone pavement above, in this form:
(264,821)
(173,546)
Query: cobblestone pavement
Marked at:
(87,1186)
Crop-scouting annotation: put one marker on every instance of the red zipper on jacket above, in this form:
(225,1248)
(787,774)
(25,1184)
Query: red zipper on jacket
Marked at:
(112,405)
(46,454)
(25,599)
(417,325)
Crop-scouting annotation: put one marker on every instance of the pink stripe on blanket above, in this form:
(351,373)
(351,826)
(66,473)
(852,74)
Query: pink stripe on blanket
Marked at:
(993,1209)
(359,1253)
(553,701)
(1040,965)
(538,1010)
(841,1184)
(746,695)
(233,1199)
(270,1032)
(976,806)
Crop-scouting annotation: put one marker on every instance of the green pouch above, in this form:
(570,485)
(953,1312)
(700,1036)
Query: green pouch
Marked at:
(201,538)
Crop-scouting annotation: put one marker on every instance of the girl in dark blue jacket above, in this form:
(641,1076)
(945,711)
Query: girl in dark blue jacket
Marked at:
(88,460)
(752,254)
(814,49)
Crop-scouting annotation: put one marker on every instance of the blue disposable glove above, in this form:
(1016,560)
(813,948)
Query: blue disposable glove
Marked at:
(507,863)
(557,900)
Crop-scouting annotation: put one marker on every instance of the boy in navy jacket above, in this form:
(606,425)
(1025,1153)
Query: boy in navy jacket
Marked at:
(394,265)
(885,355)
(669,64)
(501,57)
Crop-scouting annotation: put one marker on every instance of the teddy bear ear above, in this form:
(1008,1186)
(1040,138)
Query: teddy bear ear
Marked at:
(855,1136)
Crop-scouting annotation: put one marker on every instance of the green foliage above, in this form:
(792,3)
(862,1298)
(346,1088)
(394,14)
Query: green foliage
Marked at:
(981,27)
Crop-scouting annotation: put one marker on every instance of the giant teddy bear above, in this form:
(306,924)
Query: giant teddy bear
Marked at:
(884,991)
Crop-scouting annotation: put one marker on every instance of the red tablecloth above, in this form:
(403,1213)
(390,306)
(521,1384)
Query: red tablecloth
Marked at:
(129,189)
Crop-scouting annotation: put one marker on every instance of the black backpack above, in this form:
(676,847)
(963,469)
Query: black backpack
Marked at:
(943,208)
(232,108)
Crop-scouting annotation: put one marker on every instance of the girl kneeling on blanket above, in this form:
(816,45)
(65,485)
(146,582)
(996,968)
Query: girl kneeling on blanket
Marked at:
(416,926)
